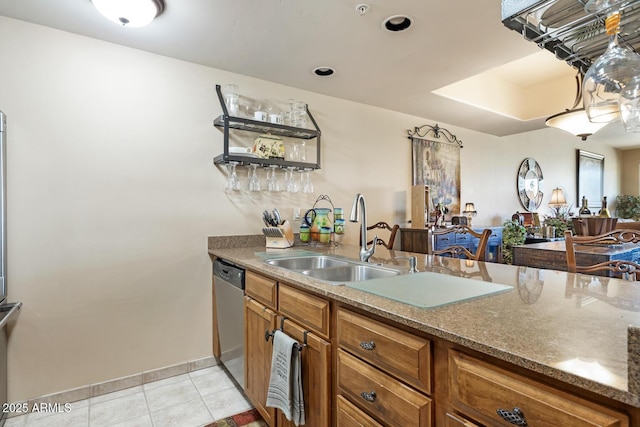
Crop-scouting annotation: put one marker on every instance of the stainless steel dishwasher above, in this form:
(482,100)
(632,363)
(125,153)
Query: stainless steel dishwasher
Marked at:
(228,282)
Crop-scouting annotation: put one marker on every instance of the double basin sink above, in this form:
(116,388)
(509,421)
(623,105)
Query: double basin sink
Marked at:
(334,270)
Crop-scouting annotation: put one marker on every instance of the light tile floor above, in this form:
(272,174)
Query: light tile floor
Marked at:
(190,400)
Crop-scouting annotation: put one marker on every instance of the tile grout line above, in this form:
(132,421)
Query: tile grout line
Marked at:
(213,418)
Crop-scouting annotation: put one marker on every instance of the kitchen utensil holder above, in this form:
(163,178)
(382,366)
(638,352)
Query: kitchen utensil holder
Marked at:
(279,237)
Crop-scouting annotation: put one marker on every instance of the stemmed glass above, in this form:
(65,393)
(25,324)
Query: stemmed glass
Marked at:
(290,182)
(272,180)
(233,182)
(608,75)
(305,181)
(254,181)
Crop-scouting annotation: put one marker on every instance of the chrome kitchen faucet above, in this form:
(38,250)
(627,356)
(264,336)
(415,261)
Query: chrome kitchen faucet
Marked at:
(365,253)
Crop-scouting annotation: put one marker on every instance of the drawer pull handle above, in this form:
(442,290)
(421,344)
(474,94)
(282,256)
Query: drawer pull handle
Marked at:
(515,417)
(369,397)
(368,345)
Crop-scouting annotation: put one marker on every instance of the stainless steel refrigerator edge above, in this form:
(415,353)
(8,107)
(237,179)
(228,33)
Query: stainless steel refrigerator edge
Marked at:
(7,310)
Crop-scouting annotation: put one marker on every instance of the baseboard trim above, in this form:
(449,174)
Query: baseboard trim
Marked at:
(117,384)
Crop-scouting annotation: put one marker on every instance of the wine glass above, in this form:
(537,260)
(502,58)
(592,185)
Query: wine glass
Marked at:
(272,180)
(233,182)
(254,181)
(290,182)
(305,181)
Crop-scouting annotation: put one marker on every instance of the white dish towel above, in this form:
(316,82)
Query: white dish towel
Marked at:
(285,383)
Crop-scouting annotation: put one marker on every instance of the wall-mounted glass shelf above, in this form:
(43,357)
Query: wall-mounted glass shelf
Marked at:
(242,123)
(225,122)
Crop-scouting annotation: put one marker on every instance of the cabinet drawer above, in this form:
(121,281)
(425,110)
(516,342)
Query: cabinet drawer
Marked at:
(399,353)
(307,310)
(480,389)
(350,416)
(463,239)
(442,241)
(455,420)
(261,289)
(384,398)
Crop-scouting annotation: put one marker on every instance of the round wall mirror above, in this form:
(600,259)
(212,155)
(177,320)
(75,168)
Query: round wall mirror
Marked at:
(530,184)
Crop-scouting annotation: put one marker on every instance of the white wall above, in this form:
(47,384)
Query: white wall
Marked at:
(112,194)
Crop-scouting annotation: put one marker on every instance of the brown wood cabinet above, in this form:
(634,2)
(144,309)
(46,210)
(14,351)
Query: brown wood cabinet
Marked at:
(381,396)
(387,374)
(257,320)
(305,318)
(349,415)
(399,353)
(376,362)
(481,391)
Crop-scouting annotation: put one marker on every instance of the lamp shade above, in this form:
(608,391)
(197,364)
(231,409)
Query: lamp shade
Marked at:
(130,13)
(469,208)
(575,122)
(557,198)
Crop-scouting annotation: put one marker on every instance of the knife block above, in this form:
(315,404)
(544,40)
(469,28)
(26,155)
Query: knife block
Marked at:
(279,237)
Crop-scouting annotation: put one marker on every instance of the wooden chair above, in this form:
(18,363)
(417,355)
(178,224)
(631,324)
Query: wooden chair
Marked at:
(457,250)
(384,226)
(628,270)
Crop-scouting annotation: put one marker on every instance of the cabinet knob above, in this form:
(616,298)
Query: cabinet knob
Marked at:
(368,345)
(515,417)
(369,397)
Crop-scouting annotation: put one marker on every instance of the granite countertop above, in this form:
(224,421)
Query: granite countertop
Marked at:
(570,327)
(559,246)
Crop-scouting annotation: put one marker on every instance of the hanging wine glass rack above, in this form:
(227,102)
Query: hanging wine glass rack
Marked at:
(567,30)
(226,122)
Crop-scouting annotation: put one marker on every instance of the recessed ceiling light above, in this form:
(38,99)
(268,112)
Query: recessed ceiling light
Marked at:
(323,71)
(397,23)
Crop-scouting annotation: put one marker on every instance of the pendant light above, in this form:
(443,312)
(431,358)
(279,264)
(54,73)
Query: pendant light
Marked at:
(130,13)
(575,120)
(608,75)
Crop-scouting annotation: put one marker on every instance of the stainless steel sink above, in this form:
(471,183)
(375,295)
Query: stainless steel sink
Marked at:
(351,273)
(307,262)
(334,270)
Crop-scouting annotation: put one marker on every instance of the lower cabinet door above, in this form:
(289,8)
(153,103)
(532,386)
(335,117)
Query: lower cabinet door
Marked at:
(316,377)
(350,416)
(381,396)
(257,320)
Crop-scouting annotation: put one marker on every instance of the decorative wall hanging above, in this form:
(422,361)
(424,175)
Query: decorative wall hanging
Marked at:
(529,184)
(436,163)
(590,179)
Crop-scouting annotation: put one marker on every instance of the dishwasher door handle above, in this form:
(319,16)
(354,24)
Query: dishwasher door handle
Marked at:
(12,308)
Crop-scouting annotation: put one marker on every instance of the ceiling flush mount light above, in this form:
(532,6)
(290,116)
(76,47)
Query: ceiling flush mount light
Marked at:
(130,13)
(575,121)
(323,71)
(397,23)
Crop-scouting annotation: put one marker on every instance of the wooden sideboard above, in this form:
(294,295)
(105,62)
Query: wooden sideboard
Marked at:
(552,255)
(417,240)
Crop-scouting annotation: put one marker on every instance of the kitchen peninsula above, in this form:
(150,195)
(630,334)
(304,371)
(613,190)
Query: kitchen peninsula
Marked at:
(554,346)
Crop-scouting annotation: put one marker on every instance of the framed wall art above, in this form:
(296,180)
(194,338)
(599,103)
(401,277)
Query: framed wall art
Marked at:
(436,164)
(590,178)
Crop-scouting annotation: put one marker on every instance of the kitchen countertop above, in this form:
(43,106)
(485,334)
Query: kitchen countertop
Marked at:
(565,326)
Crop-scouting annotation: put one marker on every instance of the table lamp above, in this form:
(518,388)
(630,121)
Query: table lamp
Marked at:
(469,211)
(557,200)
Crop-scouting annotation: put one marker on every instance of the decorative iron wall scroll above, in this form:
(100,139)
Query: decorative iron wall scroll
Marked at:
(436,163)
